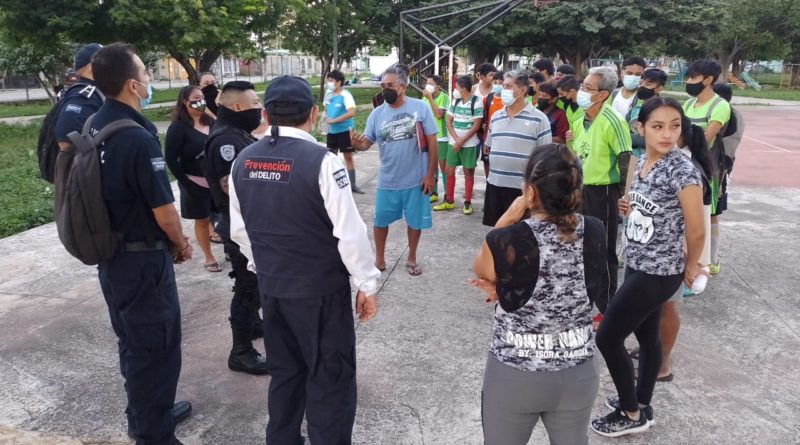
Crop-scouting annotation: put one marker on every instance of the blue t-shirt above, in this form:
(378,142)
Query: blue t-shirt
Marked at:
(337,105)
(395,130)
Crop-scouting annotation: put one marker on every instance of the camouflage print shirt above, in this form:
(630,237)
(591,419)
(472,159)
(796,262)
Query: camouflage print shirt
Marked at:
(656,227)
(543,317)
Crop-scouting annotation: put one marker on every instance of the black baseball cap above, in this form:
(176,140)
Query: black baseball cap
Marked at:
(84,55)
(291,95)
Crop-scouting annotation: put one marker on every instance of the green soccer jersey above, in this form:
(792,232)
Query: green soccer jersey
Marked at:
(464,115)
(599,145)
(442,101)
(717,109)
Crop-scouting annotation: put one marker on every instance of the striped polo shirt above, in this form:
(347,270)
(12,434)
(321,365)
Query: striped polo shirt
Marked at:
(512,141)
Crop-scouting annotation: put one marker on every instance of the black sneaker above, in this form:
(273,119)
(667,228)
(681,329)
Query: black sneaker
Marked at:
(618,424)
(613,403)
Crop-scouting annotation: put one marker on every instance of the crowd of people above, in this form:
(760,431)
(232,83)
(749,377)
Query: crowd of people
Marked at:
(566,161)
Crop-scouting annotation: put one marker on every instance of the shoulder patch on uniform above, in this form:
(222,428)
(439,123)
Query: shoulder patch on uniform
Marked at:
(228,152)
(341,178)
(158,164)
(268,169)
(72,108)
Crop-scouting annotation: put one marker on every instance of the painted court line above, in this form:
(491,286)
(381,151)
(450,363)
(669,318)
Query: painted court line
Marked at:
(768,144)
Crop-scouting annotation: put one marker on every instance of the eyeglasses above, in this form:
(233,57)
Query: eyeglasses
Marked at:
(391,86)
(585,88)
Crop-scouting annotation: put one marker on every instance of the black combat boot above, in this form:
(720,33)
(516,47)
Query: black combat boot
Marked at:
(243,357)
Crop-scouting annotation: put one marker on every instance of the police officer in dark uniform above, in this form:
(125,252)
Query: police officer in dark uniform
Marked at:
(239,113)
(293,215)
(81,100)
(138,283)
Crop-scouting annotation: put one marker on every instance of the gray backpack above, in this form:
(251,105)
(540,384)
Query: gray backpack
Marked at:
(82,218)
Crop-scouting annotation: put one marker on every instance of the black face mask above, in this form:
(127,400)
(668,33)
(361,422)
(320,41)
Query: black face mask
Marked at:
(247,120)
(390,96)
(645,93)
(531,91)
(695,88)
(210,93)
(543,104)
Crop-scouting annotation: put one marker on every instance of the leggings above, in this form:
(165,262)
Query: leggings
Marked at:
(636,308)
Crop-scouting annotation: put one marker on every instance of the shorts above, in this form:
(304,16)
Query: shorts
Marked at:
(678,295)
(465,157)
(443,147)
(340,142)
(719,196)
(497,201)
(411,204)
(195,201)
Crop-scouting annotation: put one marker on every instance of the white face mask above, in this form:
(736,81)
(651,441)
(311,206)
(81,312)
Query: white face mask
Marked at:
(631,82)
(456,94)
(584,99)
(430,88)
(330,86)
(507,96)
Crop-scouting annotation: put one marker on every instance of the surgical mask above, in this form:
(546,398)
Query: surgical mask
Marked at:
(543,103)
(390,96)
(430,88)
(584,99)
(695,88)
(631,82)
(508,97)
(145,101)
(645,93)
(497,89)
(198,105)
(330,86)
(456,94)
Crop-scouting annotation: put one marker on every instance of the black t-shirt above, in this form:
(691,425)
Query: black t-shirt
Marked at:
(182,147)
(79,102)
(134,173)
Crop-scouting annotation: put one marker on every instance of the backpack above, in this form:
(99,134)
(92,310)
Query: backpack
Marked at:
(47,147)
(471,112)
(82,218)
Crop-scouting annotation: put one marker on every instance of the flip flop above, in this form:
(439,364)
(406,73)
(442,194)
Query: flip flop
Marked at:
(381,268)
(215,238)
(413,269)
(212,267)
(666,378)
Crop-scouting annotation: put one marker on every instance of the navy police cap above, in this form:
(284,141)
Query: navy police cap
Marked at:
(290,95)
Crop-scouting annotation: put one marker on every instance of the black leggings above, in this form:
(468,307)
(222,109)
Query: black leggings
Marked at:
(635,308)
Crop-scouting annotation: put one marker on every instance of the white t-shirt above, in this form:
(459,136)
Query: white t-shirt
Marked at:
(622,104)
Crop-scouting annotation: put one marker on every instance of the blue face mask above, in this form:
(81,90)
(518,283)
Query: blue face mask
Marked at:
(497,89)
(143,102)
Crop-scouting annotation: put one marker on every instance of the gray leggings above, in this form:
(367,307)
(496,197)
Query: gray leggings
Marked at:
(514,400)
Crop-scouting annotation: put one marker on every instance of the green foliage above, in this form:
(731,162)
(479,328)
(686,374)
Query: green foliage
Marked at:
(26,201)
(48,61)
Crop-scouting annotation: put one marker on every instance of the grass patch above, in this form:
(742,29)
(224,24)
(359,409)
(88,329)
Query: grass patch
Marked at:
(768,90)
(32,108)
(26,200)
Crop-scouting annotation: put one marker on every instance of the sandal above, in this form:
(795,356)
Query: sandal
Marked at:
(413,269)
(666,378)
(380,268)
(212,267)
(215,238)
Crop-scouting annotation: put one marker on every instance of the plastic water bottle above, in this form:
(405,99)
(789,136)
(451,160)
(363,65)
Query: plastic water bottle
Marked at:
(700,282)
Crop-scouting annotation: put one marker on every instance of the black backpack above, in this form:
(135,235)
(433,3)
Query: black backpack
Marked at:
(47,147)
(82,218)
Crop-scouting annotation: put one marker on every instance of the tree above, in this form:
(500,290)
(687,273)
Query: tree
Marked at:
(48,63)
(310,29)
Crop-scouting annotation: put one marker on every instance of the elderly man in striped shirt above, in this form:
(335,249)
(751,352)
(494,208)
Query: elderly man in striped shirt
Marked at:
(514,133)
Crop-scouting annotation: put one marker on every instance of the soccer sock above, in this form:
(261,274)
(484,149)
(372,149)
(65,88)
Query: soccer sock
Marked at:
(451,189)
(714,243)
(444,184)
(469,183)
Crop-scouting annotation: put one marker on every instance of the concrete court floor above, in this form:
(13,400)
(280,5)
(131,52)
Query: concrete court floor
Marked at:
(421,359)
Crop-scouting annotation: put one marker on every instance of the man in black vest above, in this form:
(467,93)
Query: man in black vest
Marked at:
(293,215)
(239,114)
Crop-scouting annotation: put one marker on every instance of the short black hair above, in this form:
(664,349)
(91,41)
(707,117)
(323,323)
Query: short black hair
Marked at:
(656,75)
(337,76)
(499,75)
(112,66)
(486,68)
(286,120)
(724,91)
(549,88)
(568,83)
(566,69)
(537,77)
(634,61)
(545,64)
(465,81)
(705,68)
(238,85)
(437,79)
